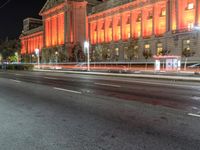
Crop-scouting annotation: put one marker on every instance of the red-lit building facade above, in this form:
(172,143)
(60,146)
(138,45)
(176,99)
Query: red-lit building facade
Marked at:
(64,25)
(118,30)
(160,26)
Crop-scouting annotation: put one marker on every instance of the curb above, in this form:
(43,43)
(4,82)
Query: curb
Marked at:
(166,77)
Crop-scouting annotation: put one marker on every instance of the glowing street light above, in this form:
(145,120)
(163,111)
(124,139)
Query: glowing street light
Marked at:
(17,56)
(87,46)
(37,53)
(56,53)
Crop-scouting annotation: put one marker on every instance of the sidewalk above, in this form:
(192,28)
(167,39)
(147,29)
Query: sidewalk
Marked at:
(183,75)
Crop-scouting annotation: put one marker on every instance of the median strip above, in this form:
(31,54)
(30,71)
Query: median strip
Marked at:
(111,85)
(66,90)
(194,115)
(17,81)
(51,78)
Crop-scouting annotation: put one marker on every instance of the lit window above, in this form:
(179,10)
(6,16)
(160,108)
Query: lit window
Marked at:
(129,35)
(159,49)
(139,33)
(125,53)
(163,12)
(190,26)
(139,18)
(128,21)
(150,15)
(147,46)
(190,6)
(117,51)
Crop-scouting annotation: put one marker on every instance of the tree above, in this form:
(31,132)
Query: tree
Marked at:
(187,53)
(77,52)
(8,48)
(147,54)
(132,51)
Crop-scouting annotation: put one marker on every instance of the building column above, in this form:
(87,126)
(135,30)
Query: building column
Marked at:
(177,14)
(57,28)
(197,13)
(104,30)
(44,35)
(113,28)
(121,26)
(168,15)
(131,24)
(153,20)
(142,22)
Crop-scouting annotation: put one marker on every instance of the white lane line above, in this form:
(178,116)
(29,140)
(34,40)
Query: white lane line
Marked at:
(17,81)
(18,74)
(194,115)
(51,78)
(157,83)
(66,90)
(111,85)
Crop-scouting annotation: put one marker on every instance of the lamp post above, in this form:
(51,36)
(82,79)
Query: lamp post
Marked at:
(17,56)
(37,53)
(86,46)
(32,58)
(56,53)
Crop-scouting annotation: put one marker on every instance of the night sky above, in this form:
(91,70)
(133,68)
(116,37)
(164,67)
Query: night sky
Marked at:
(14,12)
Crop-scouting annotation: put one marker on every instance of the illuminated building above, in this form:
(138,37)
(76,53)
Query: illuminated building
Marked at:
(113,26)
(64,26)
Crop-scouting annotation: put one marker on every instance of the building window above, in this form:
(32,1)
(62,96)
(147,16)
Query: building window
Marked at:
(186,45)
(150,15)
(125,53)
(139,18)
(163,12)
(108,54)
(119,29)
(136,51)
(159,48)
(128,27)
(190,26)
(117,51)
(190,6)
(147,46)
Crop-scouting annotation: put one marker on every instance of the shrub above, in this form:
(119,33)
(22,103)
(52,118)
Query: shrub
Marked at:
(17,66)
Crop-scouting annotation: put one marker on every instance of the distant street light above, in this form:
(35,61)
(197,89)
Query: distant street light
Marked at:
(86,46)
(37,53)
(56,53)
(17,56)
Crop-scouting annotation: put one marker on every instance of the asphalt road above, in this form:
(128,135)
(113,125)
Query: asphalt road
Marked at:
(51,111)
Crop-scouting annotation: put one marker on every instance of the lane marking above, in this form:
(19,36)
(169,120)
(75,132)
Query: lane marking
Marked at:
(159,83)
(194,115)
(112,85)
(17,81)
(66,90)
(18,74)
(51,78)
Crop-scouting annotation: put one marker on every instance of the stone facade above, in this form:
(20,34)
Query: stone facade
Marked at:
(156,25)
(121,30)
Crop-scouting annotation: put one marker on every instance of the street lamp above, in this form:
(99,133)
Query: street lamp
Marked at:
(86,46)
(37,53)
(56,53)
(16,55)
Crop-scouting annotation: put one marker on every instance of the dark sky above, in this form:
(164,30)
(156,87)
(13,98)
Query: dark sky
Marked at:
(14,12)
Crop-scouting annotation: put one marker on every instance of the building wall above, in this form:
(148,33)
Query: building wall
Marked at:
(151,24)
(31,42)
(169,22)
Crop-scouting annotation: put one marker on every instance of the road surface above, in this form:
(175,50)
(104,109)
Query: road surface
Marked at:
(51,111)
